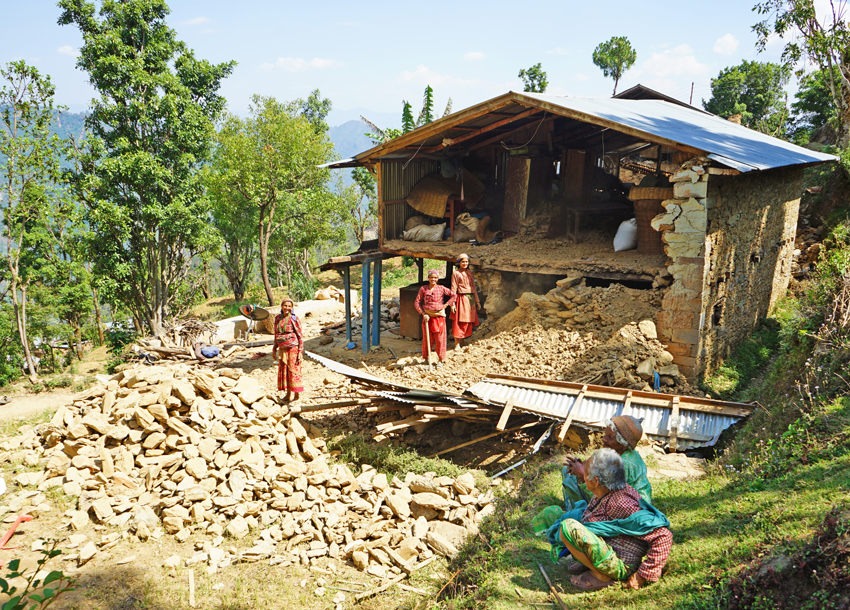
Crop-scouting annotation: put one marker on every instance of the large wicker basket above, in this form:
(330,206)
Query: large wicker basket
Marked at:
(649,240)
(650,192)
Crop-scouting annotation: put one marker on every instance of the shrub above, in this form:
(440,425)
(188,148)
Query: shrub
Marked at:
(62,381)
(118,336)
(37,388)
(39,591)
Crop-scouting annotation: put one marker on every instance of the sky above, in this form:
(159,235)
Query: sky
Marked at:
(368,57)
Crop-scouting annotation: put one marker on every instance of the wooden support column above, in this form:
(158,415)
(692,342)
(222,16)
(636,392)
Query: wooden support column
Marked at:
(346,279)
(627,405)
(379,182)
(364,308)
(674,425)
(420,262)
(376,304)
(562,435)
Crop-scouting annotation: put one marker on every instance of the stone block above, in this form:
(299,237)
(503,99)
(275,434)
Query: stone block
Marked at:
(681,335)
(683,244)
(688,189)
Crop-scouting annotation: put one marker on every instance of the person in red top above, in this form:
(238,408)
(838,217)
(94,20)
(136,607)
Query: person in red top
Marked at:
(464,313)
(431,303)
(606,560)
(289,349)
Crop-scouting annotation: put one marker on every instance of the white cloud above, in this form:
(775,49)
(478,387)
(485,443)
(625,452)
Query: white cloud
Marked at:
(474,56)
(68,50)
(296,64)
(726,45)
(679,61)
(581,76)
(558,51)
(196,21)
(425,76)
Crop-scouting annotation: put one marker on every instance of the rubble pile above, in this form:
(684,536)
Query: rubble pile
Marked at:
(573,333)
(807,247)
(178,451)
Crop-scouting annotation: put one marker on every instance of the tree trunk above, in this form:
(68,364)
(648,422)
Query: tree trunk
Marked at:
(97,319)
(21,319)
(205,285)
(264,256)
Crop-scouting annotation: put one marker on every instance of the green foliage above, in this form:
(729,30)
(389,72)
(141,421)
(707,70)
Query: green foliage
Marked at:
(407,123)
(303,288)
(138,170)
(11,355)
(60,381)
(614,57)
(407,261)
(267,167)
(39,592)
(534,79)
(119,335)
(749,358)
(360,201)
(84,383)
(356,449)
(819,39)
(426,115)
(755,90)
(814,107)
(316,110)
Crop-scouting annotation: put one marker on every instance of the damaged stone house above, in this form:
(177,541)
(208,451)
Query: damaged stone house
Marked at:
(534,188)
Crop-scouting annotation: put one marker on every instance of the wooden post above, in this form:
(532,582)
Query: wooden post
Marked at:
(364,308)
(376,303)
(562,435)
(420,262)
(674,425)
(503,420)
(346,278)
(627,405)
(379,183)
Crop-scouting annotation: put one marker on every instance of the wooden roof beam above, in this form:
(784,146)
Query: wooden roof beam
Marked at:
(452,141)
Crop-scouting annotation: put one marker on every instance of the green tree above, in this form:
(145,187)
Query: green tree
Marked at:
(814,108)
(407,123)
(614,57)
(269,163)
(534,79)
(137,172)
(316,110)
(426,115)
(361,202)
(824,40)
(29,167)
(756,91)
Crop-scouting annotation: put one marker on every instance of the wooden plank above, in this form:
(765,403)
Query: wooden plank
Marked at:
(674,424)
(379,180)
(484,438)
(627,406)
(569,421)
(452,141)
(516,194)
(503,420)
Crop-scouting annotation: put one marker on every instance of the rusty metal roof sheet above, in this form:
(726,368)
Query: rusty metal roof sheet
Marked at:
(700,420)
(651,120)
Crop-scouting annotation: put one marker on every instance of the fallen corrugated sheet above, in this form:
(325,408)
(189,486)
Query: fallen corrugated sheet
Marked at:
(343,369)
(698,423)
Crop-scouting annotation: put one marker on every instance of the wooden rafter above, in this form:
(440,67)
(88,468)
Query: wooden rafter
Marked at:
(495,125)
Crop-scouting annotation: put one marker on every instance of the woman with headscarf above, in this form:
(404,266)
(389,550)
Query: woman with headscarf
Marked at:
(431,303)
(465,311)
(289,349)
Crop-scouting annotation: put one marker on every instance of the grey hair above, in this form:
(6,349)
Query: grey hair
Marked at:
(607,468)
(609,423)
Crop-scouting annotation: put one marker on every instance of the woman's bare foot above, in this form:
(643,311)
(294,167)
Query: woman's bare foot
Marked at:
(288,397)
(297,396)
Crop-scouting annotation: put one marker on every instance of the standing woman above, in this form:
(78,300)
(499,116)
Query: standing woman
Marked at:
(465,311)
(430,302)
(289,349)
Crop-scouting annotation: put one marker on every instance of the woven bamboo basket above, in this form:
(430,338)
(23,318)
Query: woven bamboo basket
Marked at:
(650,192)
(649,240)
(431,194)
(267,326)
(680,156)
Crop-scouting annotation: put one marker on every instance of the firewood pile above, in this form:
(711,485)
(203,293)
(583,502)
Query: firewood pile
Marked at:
(174,450)
(187,332)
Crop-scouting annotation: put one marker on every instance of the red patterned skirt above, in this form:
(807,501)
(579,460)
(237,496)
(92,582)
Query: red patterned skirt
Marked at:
(289,370)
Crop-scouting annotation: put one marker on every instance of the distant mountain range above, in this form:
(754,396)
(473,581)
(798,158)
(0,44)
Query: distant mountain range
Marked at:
(350,138)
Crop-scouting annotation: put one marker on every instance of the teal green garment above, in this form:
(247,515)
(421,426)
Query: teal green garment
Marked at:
(636,474)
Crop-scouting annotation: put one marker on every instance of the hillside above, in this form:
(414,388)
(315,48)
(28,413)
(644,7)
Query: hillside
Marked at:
(350,139)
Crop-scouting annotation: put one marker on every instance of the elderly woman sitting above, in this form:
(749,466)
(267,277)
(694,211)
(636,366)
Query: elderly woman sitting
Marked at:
(619,537)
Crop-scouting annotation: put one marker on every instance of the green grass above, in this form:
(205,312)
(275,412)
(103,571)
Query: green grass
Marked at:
(749,358)
(719,522)
(10,427)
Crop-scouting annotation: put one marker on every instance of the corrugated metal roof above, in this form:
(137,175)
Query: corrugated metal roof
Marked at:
(717,137)
(655,121)
(695,429)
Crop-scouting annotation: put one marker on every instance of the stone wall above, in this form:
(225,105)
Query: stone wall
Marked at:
(729,239)
(752,221)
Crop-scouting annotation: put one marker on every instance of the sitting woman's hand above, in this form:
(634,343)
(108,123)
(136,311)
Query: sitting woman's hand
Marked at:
(635,581)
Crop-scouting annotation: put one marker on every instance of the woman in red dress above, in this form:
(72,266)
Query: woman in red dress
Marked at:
(289,349)
(465,311)
(430,302)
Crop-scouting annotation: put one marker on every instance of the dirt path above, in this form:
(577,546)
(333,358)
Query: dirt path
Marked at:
(23,407)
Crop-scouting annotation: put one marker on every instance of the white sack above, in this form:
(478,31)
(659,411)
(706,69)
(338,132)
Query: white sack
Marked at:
(626,237)
(425,233)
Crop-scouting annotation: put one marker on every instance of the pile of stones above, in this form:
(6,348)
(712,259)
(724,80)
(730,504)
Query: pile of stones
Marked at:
(170,450)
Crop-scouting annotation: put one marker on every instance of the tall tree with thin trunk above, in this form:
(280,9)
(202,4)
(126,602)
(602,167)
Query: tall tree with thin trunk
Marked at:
(151,129)
(614,57)
(821,37)
(268,164)
(30,154)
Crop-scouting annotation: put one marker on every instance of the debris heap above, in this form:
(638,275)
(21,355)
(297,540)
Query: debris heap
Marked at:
(181,451)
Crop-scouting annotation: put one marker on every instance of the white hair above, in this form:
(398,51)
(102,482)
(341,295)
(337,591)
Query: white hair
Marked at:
(606,466)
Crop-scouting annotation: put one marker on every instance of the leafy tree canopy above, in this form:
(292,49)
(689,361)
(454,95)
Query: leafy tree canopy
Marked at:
(138,172)
(534,79)
(755,90)
(814,107)
(614,57)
